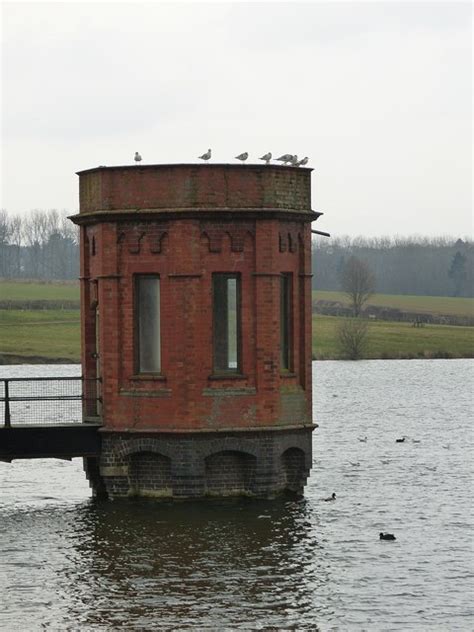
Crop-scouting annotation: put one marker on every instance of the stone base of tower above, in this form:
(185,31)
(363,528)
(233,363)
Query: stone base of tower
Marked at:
(194,465)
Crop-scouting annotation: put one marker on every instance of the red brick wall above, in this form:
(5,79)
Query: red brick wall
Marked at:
(185,250)
(194,186)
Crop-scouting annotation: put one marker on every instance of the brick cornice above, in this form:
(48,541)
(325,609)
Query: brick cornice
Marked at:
(150,214)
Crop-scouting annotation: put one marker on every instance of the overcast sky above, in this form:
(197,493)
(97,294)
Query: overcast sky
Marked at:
(378,95)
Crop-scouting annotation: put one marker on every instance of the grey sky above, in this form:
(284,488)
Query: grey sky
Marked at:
(378,95)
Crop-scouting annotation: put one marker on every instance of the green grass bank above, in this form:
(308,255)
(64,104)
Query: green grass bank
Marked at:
(54,336)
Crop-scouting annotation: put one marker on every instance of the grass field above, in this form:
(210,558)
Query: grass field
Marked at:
(48,334)
(35,291)
(397,340)
(55,334)
(446,305)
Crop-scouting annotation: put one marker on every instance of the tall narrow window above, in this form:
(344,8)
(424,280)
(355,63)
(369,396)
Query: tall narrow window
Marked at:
(285,322)
(147,305)
(226,322)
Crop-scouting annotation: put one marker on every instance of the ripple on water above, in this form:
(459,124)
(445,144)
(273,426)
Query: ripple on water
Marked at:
(70,563)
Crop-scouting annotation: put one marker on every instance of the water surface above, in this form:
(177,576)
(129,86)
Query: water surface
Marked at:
(70,563)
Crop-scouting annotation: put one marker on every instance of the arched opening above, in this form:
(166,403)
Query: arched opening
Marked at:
(230,473)
(294,470)
(150,475)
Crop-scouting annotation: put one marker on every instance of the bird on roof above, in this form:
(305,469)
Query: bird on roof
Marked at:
(294,160)
(267,158)
(242,157)
(302,162)
(137,157)
(206,156)
(285,158)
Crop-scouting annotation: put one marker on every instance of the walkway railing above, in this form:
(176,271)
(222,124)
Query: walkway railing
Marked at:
(48,400)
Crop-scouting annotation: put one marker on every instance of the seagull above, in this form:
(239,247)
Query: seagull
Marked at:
(363,439)
(267,158)
(206,156)
(331,497)
(285,158)
(137,157)
(302,162)
(242,157)
(387,536)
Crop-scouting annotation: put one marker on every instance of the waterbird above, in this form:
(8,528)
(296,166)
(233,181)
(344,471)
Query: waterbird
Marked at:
(387,536)
(137,157)
(267,158)
(206,156)
(302,162)
(331,497)
(285,158)
(385,461)
(242,157)
(400,440)
(363,439)
(416,440)
(356,464)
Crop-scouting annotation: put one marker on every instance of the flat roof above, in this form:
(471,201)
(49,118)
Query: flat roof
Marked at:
(194,165)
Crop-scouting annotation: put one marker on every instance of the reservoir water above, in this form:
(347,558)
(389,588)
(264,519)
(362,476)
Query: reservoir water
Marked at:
(70,563)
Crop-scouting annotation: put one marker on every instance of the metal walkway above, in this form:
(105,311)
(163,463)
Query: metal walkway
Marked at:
(49,418)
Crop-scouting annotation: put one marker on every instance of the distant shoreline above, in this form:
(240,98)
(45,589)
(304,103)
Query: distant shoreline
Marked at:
(7,359)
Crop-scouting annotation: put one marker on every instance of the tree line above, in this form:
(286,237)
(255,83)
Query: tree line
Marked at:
(41,245)
(431,266)
(44,245)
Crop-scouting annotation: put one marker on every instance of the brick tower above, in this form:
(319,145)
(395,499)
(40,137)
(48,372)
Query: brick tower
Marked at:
(196,317)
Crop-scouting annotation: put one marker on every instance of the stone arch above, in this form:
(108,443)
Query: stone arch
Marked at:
(146,444)
(230,473)
(149,474)
(294,469)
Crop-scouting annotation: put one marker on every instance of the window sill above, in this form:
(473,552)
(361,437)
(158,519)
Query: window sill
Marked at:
(148,377)
(227,376)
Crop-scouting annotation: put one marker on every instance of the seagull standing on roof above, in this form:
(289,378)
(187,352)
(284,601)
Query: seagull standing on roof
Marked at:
(242,157)
(206,156)
(285,158)
(302,162)
(294,161)
(267,158)
(137,158)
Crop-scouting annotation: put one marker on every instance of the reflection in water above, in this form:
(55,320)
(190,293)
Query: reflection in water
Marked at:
(141,566)
(205,565)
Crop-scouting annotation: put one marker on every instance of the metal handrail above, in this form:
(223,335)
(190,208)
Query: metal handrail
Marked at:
(7,398)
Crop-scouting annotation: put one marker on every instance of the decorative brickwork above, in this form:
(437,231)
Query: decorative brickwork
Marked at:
(188,432)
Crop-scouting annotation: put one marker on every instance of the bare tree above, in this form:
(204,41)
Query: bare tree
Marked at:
(358,282)
(352,337)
